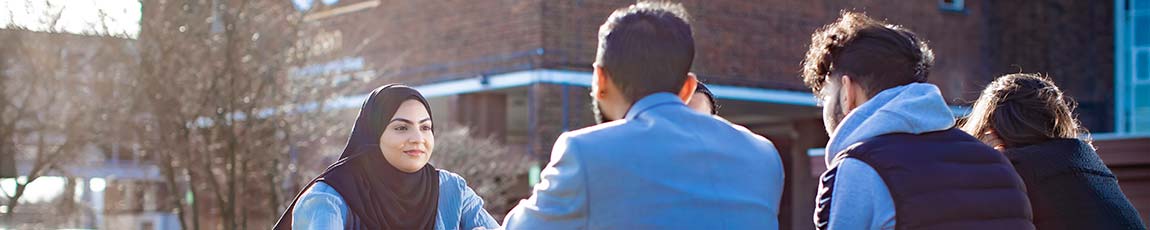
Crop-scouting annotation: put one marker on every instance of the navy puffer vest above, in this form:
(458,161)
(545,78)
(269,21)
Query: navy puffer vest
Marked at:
(939,180)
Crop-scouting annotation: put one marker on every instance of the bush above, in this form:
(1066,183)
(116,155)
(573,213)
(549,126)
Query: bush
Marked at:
(496,173)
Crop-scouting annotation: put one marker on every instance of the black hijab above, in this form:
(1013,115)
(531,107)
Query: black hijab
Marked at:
(378,195)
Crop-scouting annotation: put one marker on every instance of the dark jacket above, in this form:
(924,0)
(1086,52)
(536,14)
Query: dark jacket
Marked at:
(942,180)
(1070,188)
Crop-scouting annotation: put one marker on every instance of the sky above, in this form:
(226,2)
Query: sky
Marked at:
(122,17)
(43,189)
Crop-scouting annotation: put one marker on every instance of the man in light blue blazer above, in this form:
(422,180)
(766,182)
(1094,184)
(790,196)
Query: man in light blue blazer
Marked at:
(656,164)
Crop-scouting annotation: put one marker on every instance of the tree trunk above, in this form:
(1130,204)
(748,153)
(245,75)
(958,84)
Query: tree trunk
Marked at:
(14,200)
(169,172)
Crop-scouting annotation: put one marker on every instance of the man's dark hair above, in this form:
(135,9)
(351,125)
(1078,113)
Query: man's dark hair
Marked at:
(646,48)
(876,55)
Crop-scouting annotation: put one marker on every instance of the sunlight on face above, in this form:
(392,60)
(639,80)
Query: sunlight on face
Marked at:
(407,139)
(832,107)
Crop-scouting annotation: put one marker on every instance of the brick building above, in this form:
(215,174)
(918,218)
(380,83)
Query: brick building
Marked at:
(519,70)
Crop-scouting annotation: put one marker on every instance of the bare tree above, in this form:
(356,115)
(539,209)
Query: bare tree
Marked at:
(50,97)
(206,94)
(221,111)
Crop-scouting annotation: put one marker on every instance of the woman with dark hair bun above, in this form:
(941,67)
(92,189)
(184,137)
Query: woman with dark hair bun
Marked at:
(1027,118)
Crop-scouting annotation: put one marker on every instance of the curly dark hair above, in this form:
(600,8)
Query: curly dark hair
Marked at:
(876,55)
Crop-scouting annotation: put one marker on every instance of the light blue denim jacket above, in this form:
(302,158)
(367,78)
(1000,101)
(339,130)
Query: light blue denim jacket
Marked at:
(321,207)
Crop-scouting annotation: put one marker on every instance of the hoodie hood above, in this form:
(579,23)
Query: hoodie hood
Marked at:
(914,108)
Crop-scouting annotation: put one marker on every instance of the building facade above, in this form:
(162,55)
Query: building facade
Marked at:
(520,70)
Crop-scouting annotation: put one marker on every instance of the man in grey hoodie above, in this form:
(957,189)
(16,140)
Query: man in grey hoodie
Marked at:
(894,158)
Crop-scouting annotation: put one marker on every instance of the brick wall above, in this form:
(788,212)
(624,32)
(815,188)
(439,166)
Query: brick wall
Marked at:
(549,120)
(418,42)
(1073,41)
(751,43)
(761,43)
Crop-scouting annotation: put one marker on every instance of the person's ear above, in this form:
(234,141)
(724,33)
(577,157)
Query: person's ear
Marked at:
(852,94)
(600,83)
(688,88)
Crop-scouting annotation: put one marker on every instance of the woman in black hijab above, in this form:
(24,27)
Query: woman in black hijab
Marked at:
(382,179)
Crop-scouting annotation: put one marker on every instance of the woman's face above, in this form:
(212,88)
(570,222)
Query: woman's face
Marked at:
(407,140)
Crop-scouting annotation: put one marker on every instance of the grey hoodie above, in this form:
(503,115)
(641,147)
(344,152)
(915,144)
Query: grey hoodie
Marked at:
(861,199)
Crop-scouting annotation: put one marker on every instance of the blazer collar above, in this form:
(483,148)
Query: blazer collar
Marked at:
(651,101)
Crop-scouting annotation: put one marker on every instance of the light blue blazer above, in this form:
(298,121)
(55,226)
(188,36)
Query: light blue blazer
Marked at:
(663,166)
(321,207)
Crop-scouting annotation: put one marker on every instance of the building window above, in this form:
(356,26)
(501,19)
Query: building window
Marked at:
(1141,66)
(1132,77)
(952,5)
